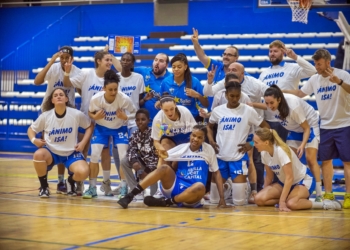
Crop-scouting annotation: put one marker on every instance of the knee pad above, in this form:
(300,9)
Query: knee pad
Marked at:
(239,194)
(96,150)
(214,193)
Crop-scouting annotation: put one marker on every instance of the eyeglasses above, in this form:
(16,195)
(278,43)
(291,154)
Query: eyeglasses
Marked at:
(228,54)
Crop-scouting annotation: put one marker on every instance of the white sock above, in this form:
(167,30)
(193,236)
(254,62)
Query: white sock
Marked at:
(214,193)
(317,205)
(60,178)
(106,175)
(123,183)
(93,182)
(318,189)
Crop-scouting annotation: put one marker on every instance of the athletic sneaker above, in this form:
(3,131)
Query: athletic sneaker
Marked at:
(346,201)
(125,201)
(61,188)
(70,188)
(80,188)
(158,194)
(251,199)
(115,191)
(90,193)
(106,187)
(331,205)
(140,196)
(123,191)
(319,198)
(329,196)
(155,202)
(44,192)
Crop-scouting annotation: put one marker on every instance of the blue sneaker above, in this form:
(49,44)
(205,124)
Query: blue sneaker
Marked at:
(61,188)
(90,193)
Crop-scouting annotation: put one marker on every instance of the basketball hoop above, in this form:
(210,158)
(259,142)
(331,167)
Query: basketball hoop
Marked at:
(300,10)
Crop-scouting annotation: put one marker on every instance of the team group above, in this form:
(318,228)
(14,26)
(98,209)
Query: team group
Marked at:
(198,141)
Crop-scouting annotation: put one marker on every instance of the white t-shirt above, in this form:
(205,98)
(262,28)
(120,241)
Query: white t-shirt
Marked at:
(279,160)
(333,102)
(220,98)
(111,120)
(61,134)
(162,125)
(183,152)
(299,111)
(54,78)
(132,86)
(286,76)
(90,84)
(233,129)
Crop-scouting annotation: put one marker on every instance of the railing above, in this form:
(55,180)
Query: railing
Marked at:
(17,64)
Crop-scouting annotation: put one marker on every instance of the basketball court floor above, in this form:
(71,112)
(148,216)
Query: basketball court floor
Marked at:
(62,222)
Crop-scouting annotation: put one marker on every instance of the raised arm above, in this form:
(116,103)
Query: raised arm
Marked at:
(198,49)
(297,93)
(307,69)
(40,77)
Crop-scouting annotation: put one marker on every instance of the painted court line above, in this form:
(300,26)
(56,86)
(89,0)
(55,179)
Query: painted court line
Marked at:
(117,237)
(176,226)
(184,211)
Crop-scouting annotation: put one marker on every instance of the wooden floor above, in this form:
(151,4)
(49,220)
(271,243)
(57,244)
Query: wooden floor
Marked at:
(61,222)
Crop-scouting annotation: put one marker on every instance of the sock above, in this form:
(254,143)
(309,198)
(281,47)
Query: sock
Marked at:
(93,182)
(60,178)
(137,190)
(317,205)
(253,186)
(123,183)
(171,201)
(318,189)
(71,180)
(106,175)
(43,181)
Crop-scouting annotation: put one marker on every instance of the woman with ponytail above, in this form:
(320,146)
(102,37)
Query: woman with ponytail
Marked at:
(108,108)
(295,181)
(186,89)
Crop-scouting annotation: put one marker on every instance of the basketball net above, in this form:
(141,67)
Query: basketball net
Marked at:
(299,11)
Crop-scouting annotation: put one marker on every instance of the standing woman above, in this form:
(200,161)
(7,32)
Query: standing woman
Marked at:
(60,124)
(296,182)
(90,82)
(186,89)
(132,85)
(234,120)
(107,109)
(301,119)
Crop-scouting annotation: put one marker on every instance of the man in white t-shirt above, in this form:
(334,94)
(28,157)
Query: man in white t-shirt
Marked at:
(331,87)
(285,75)
(53,73)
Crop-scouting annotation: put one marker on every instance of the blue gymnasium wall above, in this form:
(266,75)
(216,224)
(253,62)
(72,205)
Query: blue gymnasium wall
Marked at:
(238,16)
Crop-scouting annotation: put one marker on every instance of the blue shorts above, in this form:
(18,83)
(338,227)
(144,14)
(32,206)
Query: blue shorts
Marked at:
(298,136)
(66,160)
(177,139)
(102,134)
(295,139)
(178,187)
(234,168)
(334,143)
(309,182)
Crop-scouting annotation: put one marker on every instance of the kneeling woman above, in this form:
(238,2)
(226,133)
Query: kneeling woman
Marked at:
(296,182)
(60,125)
(183,183)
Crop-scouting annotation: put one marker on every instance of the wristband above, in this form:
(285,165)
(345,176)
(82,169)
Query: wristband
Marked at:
(66,74)
(341,82)
(33,139)
(251,143)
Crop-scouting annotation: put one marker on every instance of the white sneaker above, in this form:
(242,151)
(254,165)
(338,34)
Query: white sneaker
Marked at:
(80,188)
(332,205)
(106,188)
(158,194)
(115,191)
(140,196)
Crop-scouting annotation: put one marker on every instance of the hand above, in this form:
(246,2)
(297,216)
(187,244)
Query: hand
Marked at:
(162,153)
(194,37)
(56,55)
(68,65)
(283,207)
(300,151)
(79,147)
(211,74)
(215,146)
(203,113)
(157,105)
(245,147)
(99,114)
(290,53)
(148,96)
(39,143)
(105,49)
(222,204)
(332,78)
(192,93)
(136,166)
(121,115)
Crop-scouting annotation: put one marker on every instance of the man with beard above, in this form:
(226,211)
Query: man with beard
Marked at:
(285,75)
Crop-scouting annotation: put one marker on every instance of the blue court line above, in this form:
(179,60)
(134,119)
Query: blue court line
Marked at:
(117,237)
(188,227)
